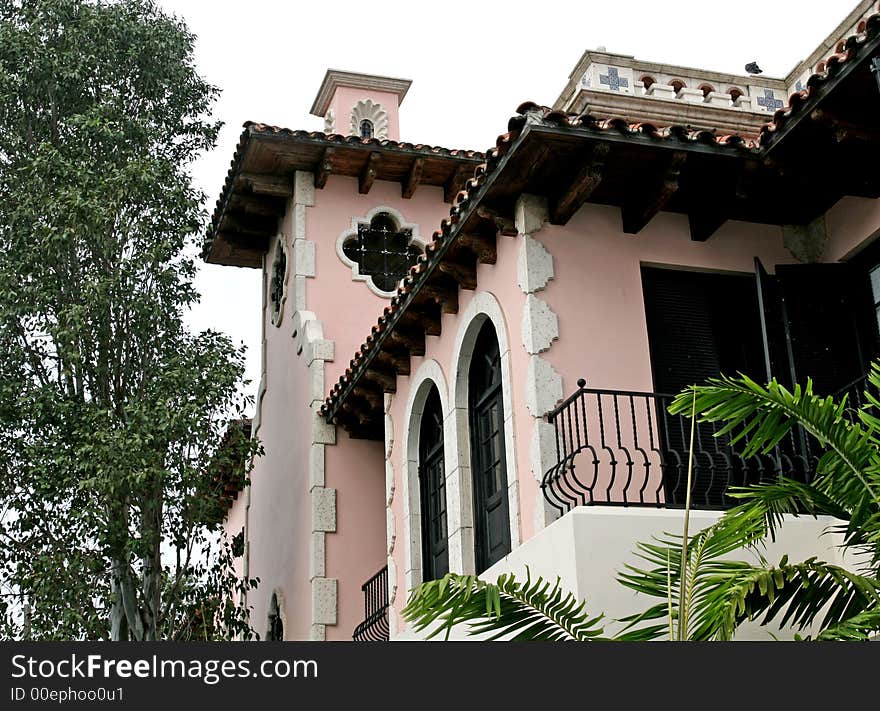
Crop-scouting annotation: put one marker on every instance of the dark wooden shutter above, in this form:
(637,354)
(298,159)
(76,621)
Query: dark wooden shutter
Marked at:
(488,461)
(432,484)
(700,325)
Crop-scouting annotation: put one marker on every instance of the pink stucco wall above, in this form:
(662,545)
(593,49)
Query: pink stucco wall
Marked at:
(280,514)
(851,225)
(347,308)
(597,295)
(345,98)
(597,288)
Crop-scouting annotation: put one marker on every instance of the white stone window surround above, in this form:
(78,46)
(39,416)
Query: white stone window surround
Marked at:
(429,375)
(281,249)
(369,110)
(456,435)
(352,233)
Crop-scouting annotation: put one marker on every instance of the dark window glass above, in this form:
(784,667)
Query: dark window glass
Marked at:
(366,128)
(491,516)
(276,290)
(432,483)
(382,251)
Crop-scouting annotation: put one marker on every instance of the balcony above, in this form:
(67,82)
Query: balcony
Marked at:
(624,448)
(374,627)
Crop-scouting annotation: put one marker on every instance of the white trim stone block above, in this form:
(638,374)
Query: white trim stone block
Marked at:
(540,326)
(390,530)
(534,266)
(390,486)
(322,431)
(316,466)
(317,633)
(660,91)
(691,96)
(324,601)
(316,381)
(530,213)
(542,449)
(324,509)
(317,562)
(304,188)
(299,222)
(304,257)
(543,386)
(392,583)
(299,292)
(320,350)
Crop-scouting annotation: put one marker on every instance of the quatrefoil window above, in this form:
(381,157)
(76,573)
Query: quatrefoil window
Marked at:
(383,250)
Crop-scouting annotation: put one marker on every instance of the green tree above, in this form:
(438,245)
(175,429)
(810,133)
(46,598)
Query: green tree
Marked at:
(720,592)
(110,410)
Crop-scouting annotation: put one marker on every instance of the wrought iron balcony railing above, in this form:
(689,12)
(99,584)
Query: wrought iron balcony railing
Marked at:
(623,447)
(374,627)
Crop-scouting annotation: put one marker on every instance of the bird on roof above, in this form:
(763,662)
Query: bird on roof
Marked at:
(753,68)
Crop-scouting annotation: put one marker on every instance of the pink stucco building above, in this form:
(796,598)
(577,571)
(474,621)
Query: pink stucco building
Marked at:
(467,356)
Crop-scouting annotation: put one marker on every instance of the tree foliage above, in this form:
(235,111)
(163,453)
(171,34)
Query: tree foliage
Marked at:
(110,410)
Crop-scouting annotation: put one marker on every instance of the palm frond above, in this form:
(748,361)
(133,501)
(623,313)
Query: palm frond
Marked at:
(760,417)
(508,609)
(859,627)
(793,593)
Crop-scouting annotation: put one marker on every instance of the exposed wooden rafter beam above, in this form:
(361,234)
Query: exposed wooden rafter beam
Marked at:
(267,184)
(444,295)
(325,167)
(411,182)
(456,181)
(250,224)
(464,274)
(368,175)
(398,362)
(386,379)
(582,185)
(503,223)
(481,246)
(643,204)
(422,316)
(411,340)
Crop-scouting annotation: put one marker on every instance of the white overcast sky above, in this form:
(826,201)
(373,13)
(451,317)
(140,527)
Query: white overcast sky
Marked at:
(471,63)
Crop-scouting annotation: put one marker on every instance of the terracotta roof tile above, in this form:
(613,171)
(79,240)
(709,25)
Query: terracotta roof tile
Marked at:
(252,127)
(531,111)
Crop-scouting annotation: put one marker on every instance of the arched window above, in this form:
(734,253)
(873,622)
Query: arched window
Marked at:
(366,128)
(678,85)
(735,94)
(648,82)
(382,250)
(488,461)
(275,631)
(278,278)
(432,486)
(706,89)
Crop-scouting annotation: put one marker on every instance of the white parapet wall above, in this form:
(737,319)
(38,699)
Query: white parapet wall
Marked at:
(589,546)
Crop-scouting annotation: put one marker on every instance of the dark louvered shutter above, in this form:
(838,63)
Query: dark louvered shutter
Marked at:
(700,325)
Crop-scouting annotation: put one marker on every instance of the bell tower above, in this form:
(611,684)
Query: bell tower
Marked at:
(364,105)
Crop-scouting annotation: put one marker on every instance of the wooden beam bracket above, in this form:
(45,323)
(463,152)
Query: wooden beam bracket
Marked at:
(582,185)
(641,209)
(411,182)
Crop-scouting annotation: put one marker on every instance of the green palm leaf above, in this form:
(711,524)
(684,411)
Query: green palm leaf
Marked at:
(507,609)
